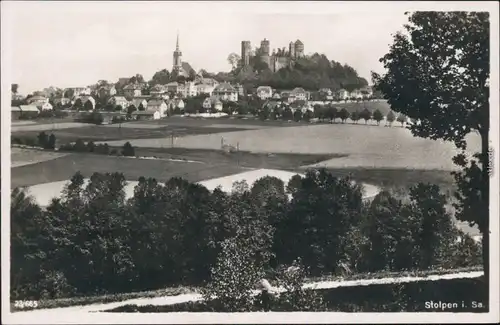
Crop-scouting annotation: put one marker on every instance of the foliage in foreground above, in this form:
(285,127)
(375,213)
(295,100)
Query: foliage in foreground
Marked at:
(92,241)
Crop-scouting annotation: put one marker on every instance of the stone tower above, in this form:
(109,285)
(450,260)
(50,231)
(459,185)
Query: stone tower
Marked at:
(246,48)
(299,49)
(265,52)
(177,56)
(291,50)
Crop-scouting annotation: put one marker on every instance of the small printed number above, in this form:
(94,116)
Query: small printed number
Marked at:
(26,304)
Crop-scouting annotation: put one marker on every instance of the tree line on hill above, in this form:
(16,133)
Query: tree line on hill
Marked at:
(91,240)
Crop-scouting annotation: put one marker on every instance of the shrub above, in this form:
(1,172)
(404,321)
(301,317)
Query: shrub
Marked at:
(233,278)
(43,139)
(51,143)
(296,298)
(80,146)
(90,146)
(128,150)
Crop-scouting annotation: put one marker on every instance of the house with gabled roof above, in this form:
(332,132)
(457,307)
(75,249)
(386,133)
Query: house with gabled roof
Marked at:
(148,114)
(132,90)
(264,92)
(119,101)
(37,100)
(225,92)
(300,94)
(157,105)
(137,102)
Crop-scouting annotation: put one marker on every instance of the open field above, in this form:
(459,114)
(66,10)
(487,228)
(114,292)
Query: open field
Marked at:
(21,157)
(59,125)
(287,161)
(364,146)
(21,122)
(126,131)
(63,168)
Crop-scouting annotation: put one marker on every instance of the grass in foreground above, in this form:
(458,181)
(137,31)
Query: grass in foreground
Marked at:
(109,298)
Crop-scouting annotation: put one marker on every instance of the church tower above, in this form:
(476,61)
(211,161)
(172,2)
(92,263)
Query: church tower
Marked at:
(177,56)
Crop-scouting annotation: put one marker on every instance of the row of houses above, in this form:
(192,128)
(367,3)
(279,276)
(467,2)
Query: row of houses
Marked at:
(266,92)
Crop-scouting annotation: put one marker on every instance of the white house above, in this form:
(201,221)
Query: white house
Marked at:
(300,94)
(218,105)
(146,115)
(29,109)
(132,90)
(207,103)
(264,92)
(119,101)
(343,94)
(225,92)
(37,100)
(157,105)
(190,89)
(79,91)
(205,88)
(45,107)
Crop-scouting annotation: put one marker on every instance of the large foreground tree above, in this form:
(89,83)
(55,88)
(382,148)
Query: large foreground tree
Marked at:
(438,72)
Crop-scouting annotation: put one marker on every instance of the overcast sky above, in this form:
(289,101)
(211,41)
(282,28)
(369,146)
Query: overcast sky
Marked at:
(68,44)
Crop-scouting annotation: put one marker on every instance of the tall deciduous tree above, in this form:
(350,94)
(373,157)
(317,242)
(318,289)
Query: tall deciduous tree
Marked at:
(233,59)
(378,116)
(438,73)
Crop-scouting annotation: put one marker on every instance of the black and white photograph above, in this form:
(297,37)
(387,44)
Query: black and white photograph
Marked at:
(250,162)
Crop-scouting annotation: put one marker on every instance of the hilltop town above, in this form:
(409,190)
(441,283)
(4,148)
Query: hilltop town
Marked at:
(185,90)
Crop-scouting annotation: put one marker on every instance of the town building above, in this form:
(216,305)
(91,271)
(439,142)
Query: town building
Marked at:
(45,107)
(148,114)
(203,88)
(325,94)
(106,91)
(29,110)
(77,91)
(342,94)
(157,105)
(132,90)
(137,102)
(240,89)
(158,90)
(206,81)
(264,92)
(218,105)
(225,92)
(37,100)
(190,89)
(85,99)
(15,112)
(207,103)
(119,101)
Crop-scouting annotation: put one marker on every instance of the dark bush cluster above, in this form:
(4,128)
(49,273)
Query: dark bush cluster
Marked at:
(102,149)
(43,141)
(92,240)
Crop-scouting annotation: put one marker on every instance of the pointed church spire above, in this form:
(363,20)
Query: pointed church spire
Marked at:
(177,43)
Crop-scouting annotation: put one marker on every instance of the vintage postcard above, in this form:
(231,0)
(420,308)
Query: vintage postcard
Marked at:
(249,162)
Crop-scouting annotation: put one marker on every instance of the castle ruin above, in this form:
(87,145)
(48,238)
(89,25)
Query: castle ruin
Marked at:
(278,59)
